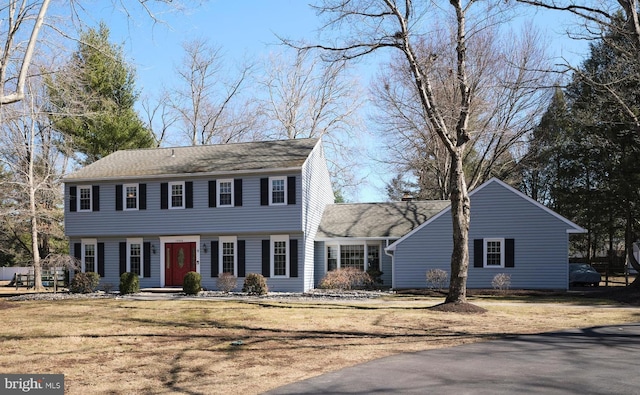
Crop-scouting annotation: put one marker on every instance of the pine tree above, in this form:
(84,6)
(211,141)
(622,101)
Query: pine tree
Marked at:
(93,100)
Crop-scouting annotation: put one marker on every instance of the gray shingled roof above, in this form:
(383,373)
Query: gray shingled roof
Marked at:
(381,220)
(282,154)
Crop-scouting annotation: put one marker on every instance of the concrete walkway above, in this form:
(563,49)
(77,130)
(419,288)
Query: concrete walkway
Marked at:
(600,360)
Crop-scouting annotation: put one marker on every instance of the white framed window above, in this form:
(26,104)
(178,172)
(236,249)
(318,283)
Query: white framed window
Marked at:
(494,252)
(228,258)
(130,196)
(280,256)
(332,257)
(84,198)
(357,255)
(224,193)
(89,255)
(277,190)
(135,256)
(176,194)
(352,256)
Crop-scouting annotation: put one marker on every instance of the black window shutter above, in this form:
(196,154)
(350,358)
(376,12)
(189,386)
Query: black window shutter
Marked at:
(77,250)
(73,199)
(119,197)
(101,259)
(242,257)
(266,258)
(478,253)
(95,196)
(293,258)
(164,196)
(123,257)
(142,196)
(509,253)
(215,263)
(146,272)
(188,190)
(237,192)
(291,190)
(212,193)
(264,191)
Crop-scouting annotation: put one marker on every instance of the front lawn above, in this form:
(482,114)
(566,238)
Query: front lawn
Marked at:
(249,346)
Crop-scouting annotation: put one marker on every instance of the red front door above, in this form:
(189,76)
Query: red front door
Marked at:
(179,259)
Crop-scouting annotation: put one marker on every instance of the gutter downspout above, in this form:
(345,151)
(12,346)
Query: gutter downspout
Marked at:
(393,265)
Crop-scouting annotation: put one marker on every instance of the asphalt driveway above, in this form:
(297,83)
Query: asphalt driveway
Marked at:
(600,360)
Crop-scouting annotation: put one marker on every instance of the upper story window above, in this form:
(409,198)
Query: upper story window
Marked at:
(176,190)
(277,190)
(84,198)
(225,193)
(130,196)
(494,252)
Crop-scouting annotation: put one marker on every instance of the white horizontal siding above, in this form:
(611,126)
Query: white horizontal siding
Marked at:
(317,193)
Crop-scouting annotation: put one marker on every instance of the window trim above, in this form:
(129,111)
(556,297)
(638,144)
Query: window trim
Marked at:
(231,182)
(94,243)
(221,241)
(124,197)
(338,246)
(130,242)
(170,195)
(485,252)
(79,193)
(284,191)
(272,241)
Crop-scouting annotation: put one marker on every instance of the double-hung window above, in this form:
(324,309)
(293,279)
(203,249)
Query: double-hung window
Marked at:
(280,256)
(228,255)
(130,196)
(277,190)
(176,195)
(225,193)
(89,256)
(494,252)
(134,256)
(84,198)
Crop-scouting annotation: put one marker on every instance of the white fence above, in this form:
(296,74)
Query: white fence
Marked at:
(7,273)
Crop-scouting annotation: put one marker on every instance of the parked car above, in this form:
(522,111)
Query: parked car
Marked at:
(583,274)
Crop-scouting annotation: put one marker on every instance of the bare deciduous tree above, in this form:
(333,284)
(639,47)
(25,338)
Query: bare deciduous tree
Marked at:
(21,24)
(205,99)
(305,97)
(30,155)
(369,26)
(507,76)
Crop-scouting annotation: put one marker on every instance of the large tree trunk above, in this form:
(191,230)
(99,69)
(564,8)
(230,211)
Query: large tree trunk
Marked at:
(37,267)
(460,213)
(628,247)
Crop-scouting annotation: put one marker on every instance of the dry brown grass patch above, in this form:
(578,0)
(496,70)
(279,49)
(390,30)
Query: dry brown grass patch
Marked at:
(120,346)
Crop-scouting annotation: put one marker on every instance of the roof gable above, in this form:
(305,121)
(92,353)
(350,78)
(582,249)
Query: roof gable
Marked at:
(571,227)
(202,159)
(376,220)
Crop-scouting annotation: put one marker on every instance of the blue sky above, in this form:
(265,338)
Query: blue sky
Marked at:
(245,29)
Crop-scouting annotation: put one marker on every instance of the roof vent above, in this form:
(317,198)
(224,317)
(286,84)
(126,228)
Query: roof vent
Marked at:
(173,153)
